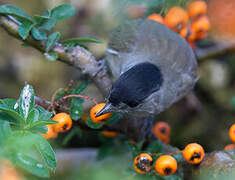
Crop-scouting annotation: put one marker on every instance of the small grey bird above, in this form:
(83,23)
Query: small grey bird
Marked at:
(153,67)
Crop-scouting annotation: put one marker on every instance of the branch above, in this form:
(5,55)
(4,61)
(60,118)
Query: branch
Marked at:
(78,57)
(218,49)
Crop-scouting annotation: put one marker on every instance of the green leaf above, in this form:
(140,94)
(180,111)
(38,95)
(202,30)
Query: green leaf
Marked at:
(81,87)
(5,117)
(25,28)
(76,108)
(38,129)
(93,125)
(155,147)
(46,152)
(63,11)
(48,24)
(51,56)
(5,132)
(11,113)
(43,114)
(33,116)
(15,11)
(51,40)
(10,103)
(26,101)
(40,19)
(81,39)
(39,34)
(114,118)
(31,165)
(42,123)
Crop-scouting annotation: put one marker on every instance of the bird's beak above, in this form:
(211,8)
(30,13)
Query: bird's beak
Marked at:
(106,109)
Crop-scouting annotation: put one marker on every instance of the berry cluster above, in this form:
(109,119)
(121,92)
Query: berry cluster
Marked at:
(192,24)
(166,164)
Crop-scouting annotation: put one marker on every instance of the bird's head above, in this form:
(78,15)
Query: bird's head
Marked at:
(131,89)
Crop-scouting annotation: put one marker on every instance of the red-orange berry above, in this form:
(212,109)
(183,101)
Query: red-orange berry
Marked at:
(97,109)
(50,134)
(64,122)
(193,153)
(166,165)
(109,134)
(163,131)
(176,18)
(229,146)
(143,163)
(201,26)
(197,9)
(156,17)
(232,133)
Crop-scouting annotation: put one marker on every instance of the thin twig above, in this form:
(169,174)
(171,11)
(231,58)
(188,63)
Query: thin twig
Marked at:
(81,96)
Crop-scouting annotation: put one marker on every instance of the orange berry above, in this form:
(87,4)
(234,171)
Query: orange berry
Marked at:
(64,122)
(193,153)
(229,146)
(162,130)
(176,19)
(50,134)
(200,27)
(232,133)
(156,17)
(109,133)
(97,109)
(8,171)
(197,9)
(143,163)
(166,165)
(187,34)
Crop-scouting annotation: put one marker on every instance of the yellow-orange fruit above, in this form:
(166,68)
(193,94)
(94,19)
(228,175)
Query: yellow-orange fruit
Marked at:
(166,165)
(64,122)
(197,9)
(109,133)
(176,19)
(232,133)
(156,17)
(229,146)
(143,163)
(201,26)
(163,131)
(50,134)
(193,153)
(97,109)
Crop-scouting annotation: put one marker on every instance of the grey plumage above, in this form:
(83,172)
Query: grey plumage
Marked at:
(140,41)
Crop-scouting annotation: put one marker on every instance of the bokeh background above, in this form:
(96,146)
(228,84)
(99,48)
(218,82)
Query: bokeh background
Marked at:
(204,117)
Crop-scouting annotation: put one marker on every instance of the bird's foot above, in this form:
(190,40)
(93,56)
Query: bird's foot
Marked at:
(101,69)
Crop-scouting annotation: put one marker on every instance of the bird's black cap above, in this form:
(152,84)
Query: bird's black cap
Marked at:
(136,84)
